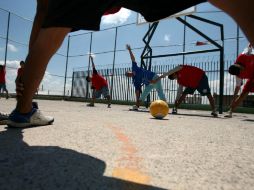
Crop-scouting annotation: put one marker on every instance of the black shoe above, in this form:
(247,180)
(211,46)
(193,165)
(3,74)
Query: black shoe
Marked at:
(174,111)
(90,105)
(214,114)
(109,105)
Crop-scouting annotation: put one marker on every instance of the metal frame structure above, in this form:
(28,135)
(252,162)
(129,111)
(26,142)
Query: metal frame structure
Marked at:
(146,56)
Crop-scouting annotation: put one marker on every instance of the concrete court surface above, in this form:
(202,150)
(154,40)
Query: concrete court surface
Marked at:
(116,149)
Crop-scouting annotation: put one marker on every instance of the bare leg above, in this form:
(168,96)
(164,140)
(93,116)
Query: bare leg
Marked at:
(93,101)
(47,43)
(179,101)
(242,96)
(93,98)
(212,103)
(109,101)
(7,93)
(137,98)
(242,12)
(235,103)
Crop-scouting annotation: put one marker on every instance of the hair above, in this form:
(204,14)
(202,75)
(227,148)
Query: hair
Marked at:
(22,63)
(1,67)
(88,79)
(234,70)
(171,77)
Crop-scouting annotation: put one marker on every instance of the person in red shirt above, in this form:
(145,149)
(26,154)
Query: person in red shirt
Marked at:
(3,116)
(3,81)
(20,71)
(243,68)
(192,78)
(99,86)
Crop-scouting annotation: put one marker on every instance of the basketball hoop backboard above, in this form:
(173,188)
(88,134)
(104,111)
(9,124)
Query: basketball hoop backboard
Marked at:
(191,10)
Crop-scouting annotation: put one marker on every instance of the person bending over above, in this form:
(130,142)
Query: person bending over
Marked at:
(99,86)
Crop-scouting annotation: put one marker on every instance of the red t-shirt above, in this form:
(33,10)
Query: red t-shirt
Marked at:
(247,61)
(2,75)
(189,76)
(98,81)
(20,71)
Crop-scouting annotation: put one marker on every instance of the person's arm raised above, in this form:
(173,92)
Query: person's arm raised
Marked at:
(128,47)
(172,71)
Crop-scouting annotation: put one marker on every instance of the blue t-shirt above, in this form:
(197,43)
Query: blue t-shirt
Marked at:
(141,76)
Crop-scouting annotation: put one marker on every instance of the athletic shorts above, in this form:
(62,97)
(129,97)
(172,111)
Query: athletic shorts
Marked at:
(203,87)
(103,91)
(86,15)
(249,86)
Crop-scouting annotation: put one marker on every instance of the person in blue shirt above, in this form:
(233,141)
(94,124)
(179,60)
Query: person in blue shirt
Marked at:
(141,77)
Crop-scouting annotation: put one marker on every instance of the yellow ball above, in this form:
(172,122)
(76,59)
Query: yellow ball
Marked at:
(159,109)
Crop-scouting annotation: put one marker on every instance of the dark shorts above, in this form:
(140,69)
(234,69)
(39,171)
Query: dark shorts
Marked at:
(3,87)
(103,91)
(82,14)
(203,87)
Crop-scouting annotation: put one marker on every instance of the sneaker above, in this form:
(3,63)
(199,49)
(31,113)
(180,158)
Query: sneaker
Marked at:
(33,118)
(109,105)
(214,114)
(135,107)
(174,111)
(229,114)
(90,105)
(3,118)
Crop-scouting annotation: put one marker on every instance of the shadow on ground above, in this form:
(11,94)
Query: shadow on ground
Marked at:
(178,114)
(250,120)
(51,167)
(196,115)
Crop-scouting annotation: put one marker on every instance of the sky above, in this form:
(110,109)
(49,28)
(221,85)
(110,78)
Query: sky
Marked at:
(167,38)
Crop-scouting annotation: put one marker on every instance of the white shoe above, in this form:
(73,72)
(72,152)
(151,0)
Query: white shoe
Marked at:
(229,114)
(34,118)
(135,107)
(39,119)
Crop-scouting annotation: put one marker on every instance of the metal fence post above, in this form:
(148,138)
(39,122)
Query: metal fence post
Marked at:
(113,68)
(184,40)
(7,38)
(66,67)
(89,62)
(237,40)
(222,67)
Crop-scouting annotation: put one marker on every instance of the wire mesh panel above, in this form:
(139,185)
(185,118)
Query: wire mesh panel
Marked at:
(79,84)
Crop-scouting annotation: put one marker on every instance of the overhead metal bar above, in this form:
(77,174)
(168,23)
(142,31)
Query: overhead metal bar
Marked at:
(147,49)
(147,52)
(181,53)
